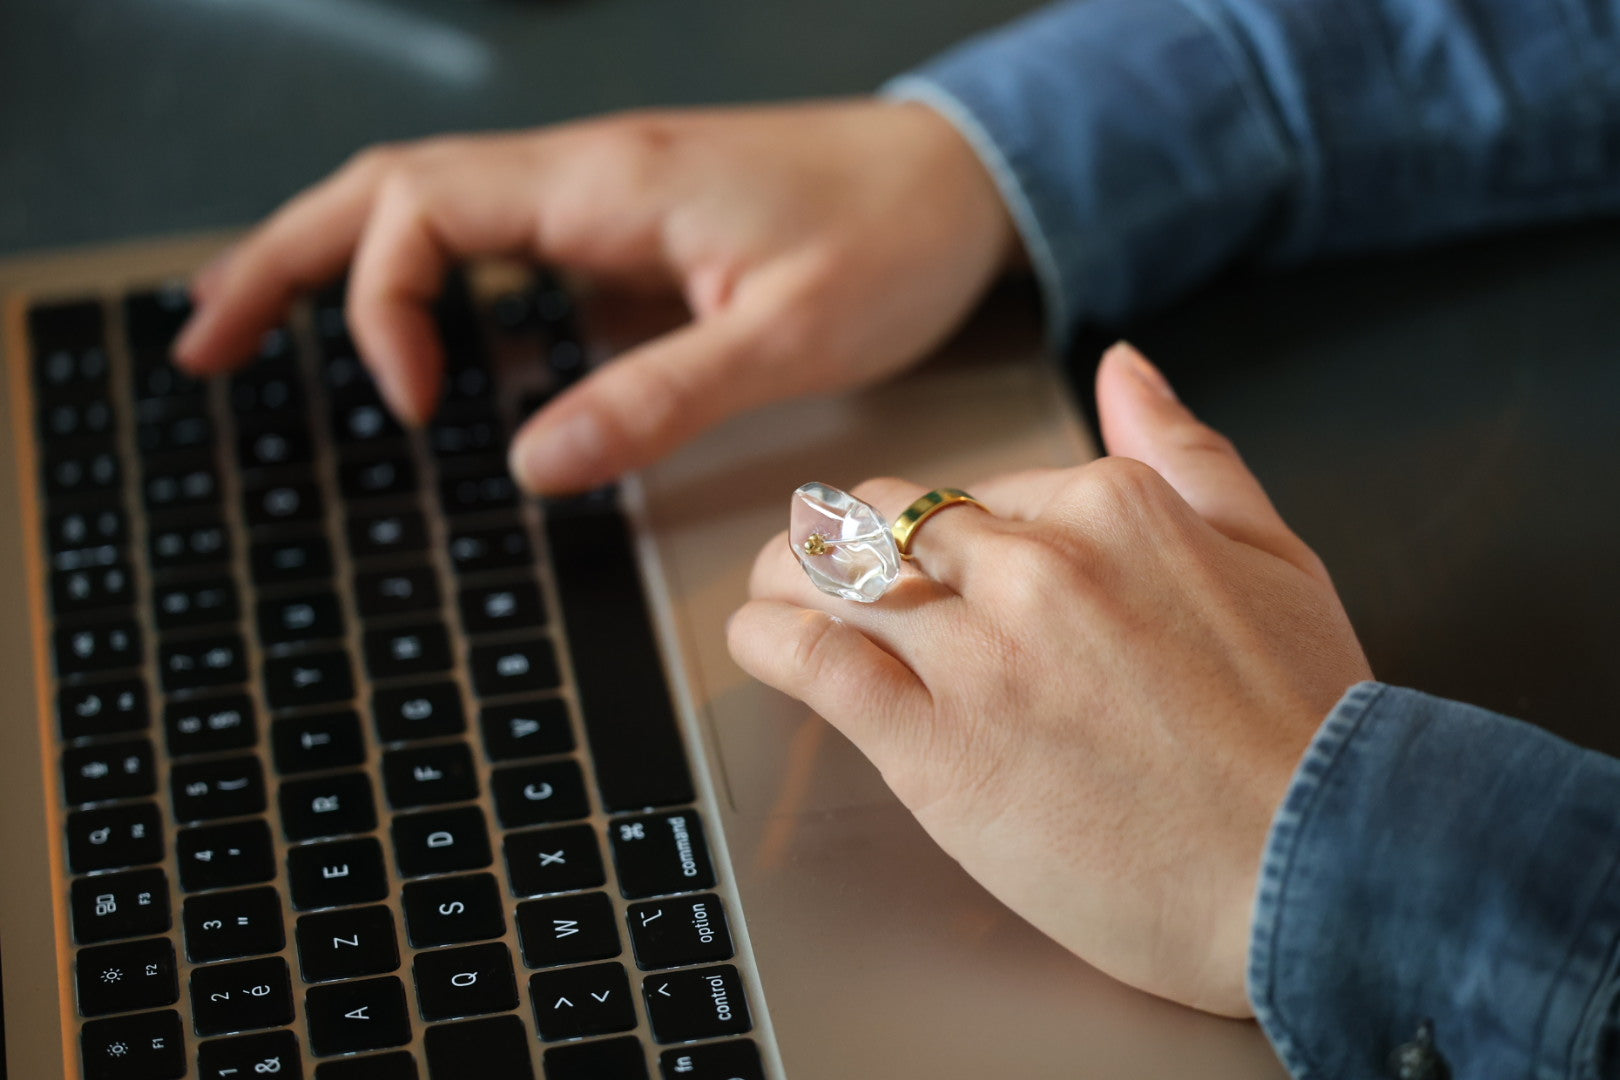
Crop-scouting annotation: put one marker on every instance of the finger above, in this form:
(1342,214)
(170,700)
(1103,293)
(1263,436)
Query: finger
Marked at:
(831,666)
(662,393)
(1021,496)
(1142,419)
(303,246)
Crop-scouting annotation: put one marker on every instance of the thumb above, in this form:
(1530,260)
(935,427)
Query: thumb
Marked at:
(649,401)
(1142,419)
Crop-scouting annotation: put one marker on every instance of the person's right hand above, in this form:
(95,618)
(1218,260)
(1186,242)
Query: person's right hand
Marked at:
(817,246)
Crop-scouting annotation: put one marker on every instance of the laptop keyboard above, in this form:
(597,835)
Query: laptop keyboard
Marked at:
(369,765)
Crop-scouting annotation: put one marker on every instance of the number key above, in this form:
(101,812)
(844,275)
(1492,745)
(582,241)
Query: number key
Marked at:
(250,1057)
(231,925)
(241,996)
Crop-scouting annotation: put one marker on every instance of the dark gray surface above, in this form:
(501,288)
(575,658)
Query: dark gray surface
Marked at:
(1440,426)
(1443,427)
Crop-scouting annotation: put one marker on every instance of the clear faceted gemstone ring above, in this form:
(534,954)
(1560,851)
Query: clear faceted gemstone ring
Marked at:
(847,548)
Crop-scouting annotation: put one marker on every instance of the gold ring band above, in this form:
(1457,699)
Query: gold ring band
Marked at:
(906,525)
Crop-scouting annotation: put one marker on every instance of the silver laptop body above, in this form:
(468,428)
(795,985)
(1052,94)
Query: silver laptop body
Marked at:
(863,952)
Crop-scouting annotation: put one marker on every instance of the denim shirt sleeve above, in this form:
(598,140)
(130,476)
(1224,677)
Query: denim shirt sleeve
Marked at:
(1141,145)
(1436,862)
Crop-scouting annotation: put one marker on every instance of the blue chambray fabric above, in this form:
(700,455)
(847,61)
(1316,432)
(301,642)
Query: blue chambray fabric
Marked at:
(1435,861)
(1144,144)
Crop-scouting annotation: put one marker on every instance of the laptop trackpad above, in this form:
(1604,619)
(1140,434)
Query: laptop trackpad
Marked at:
(779,758)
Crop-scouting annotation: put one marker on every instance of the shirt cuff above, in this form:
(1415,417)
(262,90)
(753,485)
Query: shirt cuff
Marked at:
(1128,184)
(1436,862)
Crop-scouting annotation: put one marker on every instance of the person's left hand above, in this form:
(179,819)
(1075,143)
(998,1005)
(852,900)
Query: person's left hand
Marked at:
(1096,697)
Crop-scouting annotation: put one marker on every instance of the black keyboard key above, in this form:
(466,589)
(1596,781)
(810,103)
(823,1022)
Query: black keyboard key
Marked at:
(216,660)
(144,1046)
(441,841)
(231,925)
(337,874)
(477,490)
(674,933)
(375,479)
(69,324)
(453,910)
(152,318)
(276,562)
(206,790)
(473,551)
(108,906)
(702,1004)
(735,1060)
(106,647)
(418,712)
(282,504)
(609,1059)
(201,603)
(347,944)
(394,533)
(159,387)
(90,588)
(399,1065)
(365,1015)
(82,469)
(488,609)
(174,434)
(629,720)
(322,741)
(272,447)
(327,806)
(567,930)
(224,856)
(242,996)
(574,1002)
(81,530)
(365,424)
(74,362)
(185,483)
(103,708)
(407,650)
(539,794)
(88,417)
(514,667)
(661,853)
(114,837)
(394,592)
(429,776)
(208,725)
(463,433)
(526,729)
(273,392)
(127,976)
(470,981)
(321,678)
(192,542)
(553,860)
(300,619)
(121,770)
(251,1057)
(498,1043)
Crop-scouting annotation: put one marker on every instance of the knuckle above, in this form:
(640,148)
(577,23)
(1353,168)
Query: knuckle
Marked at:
(1033,566)
(1203,439)
(813,658)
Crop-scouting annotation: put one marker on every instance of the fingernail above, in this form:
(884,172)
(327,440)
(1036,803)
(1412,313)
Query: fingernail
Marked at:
(552,460)
(1143,369)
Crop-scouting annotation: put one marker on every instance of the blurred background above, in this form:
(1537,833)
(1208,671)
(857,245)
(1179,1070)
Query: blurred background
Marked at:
(1441,426)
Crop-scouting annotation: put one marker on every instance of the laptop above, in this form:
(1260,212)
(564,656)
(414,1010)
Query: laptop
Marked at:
(328,756)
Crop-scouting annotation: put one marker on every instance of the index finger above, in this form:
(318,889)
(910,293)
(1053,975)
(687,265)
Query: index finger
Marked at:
(303,246)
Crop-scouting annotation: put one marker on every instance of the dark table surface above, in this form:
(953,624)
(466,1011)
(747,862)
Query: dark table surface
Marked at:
(1440,425)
